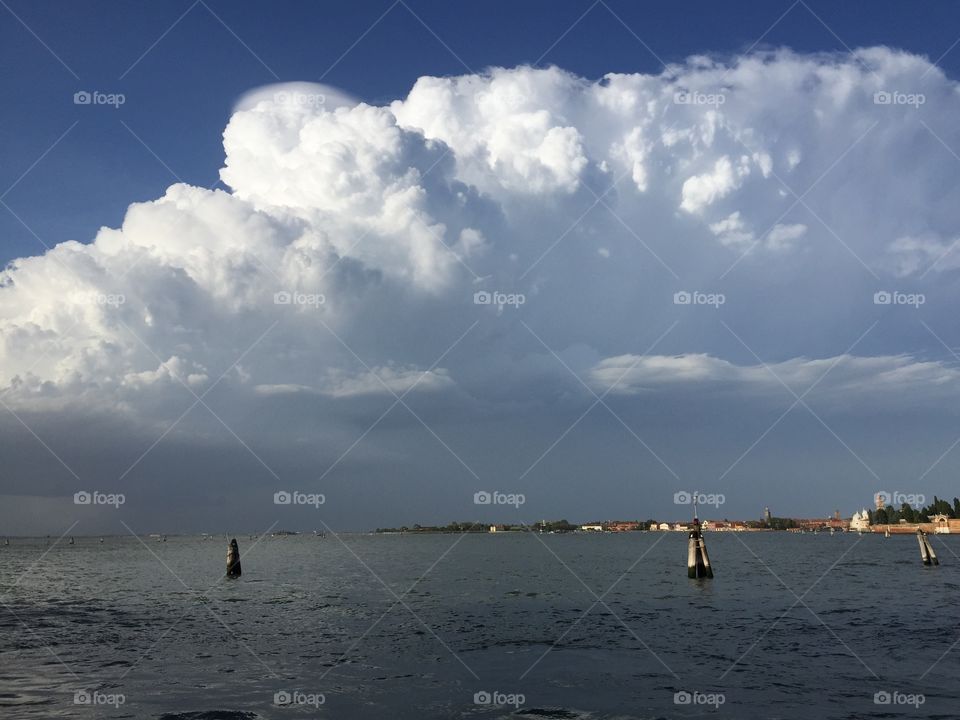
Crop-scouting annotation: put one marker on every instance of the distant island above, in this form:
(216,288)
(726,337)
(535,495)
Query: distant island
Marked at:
(556,526)
(939,516)
(565,526)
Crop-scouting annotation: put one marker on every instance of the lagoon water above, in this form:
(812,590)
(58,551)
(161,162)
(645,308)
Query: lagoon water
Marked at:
(495,616)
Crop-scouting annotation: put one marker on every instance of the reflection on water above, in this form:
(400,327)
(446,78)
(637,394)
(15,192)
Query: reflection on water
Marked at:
(348,632)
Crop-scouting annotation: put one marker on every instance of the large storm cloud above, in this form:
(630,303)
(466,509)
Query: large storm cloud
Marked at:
(472,266)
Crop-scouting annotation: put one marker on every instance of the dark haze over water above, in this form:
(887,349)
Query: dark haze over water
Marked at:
(310,615)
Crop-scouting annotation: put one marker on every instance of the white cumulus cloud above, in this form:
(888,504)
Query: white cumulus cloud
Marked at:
(341,263)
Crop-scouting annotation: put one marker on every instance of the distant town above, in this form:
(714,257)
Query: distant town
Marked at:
(940,517)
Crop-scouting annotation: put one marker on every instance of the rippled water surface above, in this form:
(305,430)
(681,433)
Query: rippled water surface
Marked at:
(600,626)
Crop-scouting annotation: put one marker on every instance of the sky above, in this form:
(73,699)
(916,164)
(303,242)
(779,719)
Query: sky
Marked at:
(578,259)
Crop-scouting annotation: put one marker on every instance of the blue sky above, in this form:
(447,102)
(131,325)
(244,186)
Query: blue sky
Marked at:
(593,253)
(180,93)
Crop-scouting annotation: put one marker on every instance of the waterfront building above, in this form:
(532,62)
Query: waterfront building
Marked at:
(941,524)
(860,521)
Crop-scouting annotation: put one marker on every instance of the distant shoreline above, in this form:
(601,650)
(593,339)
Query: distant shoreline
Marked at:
(826,526)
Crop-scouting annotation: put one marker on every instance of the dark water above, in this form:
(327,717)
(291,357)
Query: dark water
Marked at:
(321,617)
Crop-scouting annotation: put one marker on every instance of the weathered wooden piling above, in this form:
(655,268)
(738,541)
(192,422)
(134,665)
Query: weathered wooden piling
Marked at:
(927,554)
(233,559)
(698,562)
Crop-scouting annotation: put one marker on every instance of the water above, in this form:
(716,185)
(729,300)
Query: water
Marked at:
(513,614)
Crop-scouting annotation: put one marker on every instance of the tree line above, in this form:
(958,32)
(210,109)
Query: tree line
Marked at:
(909,514)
